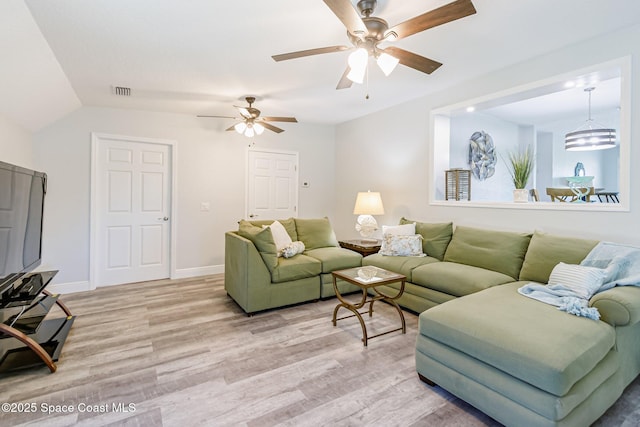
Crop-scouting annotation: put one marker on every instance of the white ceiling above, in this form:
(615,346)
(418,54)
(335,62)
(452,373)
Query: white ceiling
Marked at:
(203,56)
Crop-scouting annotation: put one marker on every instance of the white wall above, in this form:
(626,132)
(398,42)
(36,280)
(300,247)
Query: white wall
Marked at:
(211,167)
(506,138)
(403,177)
(15,144)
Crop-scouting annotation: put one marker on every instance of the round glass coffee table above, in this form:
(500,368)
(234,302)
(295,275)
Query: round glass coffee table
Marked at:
(368,278)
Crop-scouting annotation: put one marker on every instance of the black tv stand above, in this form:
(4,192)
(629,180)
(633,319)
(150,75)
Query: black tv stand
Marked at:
(26,337)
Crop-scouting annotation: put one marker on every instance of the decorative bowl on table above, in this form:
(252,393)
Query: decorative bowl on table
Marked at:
(367,273)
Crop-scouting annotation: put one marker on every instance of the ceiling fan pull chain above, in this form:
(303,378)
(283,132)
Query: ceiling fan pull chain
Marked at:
(367,77)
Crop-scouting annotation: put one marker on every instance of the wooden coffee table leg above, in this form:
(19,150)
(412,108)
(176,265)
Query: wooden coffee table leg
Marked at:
(352,308)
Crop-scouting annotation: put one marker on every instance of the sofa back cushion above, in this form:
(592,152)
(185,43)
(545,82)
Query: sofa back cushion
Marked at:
(436,236)
(546,251)
(262,240)
(315,233)
(288,224)
(501,251)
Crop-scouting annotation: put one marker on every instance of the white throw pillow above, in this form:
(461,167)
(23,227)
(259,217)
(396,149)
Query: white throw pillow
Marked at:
(584,281)
(400,230)
(280,236)
(401,245)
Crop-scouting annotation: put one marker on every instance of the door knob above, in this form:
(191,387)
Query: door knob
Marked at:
(252,216)
(166,218)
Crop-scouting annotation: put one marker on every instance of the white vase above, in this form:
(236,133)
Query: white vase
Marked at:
(521,195)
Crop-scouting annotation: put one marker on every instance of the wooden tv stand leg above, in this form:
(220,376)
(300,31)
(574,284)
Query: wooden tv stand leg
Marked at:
(31,344)
(60,304)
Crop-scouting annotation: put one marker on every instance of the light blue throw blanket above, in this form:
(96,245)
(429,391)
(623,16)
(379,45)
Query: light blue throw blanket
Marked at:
(562,297)
(622,263)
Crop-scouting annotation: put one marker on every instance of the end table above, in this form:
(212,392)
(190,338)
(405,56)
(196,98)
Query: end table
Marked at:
(363,247)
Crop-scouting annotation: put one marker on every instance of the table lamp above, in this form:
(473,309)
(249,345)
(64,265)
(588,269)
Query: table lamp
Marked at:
(367,204)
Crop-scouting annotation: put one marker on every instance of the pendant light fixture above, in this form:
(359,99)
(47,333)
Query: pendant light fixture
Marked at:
(587,137)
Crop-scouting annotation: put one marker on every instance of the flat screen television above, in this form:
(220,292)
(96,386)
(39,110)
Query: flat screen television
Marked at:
(22,193)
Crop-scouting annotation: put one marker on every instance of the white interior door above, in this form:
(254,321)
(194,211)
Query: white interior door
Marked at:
(272,185)
(132,211)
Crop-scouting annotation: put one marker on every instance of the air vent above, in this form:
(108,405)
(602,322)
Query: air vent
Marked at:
(122,91)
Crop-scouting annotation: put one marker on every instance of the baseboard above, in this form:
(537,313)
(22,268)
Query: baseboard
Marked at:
(68,288)
(186,273)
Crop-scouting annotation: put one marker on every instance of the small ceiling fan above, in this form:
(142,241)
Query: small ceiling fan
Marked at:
(366,32)
(251,123)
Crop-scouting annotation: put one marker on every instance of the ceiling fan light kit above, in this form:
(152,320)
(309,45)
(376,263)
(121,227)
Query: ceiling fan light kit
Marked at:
(366,32)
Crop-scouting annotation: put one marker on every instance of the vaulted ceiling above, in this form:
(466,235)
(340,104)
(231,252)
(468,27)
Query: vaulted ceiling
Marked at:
(203,56)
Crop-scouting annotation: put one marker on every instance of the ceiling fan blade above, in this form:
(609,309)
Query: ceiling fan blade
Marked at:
(309,52)
(351,19)
(413,60)
(244,112)
(219,117)
(272,127)
(279,119)
(231,128)
(344,82)
(447,13)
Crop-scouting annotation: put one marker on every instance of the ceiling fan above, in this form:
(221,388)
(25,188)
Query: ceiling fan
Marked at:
(251,123)
(366,32)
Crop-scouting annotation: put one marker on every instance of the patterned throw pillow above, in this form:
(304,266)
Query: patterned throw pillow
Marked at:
(584,281)
(401,245)
(292,249)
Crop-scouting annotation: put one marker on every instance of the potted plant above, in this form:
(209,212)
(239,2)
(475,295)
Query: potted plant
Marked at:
(520,166)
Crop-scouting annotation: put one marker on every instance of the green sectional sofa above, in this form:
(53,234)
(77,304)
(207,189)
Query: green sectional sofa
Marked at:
(258,279)
(519,360)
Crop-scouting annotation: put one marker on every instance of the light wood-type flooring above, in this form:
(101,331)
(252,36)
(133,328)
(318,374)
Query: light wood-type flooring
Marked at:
(182,353)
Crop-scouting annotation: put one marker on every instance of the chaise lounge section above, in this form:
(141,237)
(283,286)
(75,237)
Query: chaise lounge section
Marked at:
(521,361)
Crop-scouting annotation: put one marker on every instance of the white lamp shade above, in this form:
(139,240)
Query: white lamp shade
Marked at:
(358,65)
(240,127)
(387,63)
(258,128)
(249,132)
(368,203)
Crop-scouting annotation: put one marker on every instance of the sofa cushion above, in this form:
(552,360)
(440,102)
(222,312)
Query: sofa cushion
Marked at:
(522,337)
(501,251)
(457,279)
(294,268)
(546,251)
(335,258)
(315,233)
(288,224)
(262,240)
(398,264)
(436,236)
